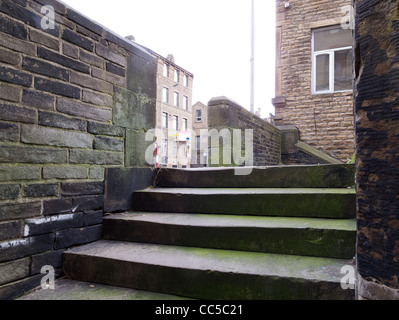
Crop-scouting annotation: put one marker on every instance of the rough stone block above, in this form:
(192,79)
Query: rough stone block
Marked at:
(91,83)
(108,144)
(16,44)
(13,27)
(14,173)
(9,57)
(44,68)
(26,16)
(99,99)
(133,110)
(41,190)
(18,154)
(120,183)
(91,59)
(78,39)
(55,137)
(9,191)
(56,87)
(19,248)
(137,148)
(10,92)
(57,206)
(37,100)
(85,22)
(111,56)
(16,289)
(70,50)
(12,211)
(69,172)
(9,131)
(52,258)
(110,67)
(18,114)
(94,157)
(15,76)
(97,173)
(86,203)
(54,223)
(14,270)
(10,230)
(105,129)
(93,217)
(59,121)
(44,39)
(72,237)
(109,77)
(62,60)
(77,108)
(82,188)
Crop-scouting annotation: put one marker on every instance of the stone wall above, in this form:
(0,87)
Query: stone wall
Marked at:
(377,148)
(75,99)
(225,114)
(325,121)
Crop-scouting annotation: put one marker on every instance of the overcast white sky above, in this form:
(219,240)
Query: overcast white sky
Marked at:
(209,38)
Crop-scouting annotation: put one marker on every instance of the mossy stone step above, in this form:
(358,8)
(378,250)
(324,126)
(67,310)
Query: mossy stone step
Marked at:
(207,273)
(299,236)
(306,176)
(289,202)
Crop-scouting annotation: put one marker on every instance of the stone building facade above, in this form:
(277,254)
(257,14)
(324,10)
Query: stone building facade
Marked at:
(173,113)
(314,90)
(199,157)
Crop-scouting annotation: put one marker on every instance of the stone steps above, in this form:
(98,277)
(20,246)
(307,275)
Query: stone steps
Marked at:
(333,238)
(310,176)
(288,202)
(207,273)
(256,239)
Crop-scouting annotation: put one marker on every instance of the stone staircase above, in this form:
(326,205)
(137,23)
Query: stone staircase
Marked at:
(278,233)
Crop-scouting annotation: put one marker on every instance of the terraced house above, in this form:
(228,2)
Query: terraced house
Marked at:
(314,91)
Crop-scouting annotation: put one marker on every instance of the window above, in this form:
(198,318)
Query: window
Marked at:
(164,120)
(175,123)
(198,142)
(332,60)
(176,75)
(165,95)
(185,126)
(174,150)
(185,103)
(198,115)
(166,70)
(185,80)
(176,99)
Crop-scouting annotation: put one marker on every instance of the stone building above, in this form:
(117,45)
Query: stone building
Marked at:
(314,89)
(199,135)
(173,113)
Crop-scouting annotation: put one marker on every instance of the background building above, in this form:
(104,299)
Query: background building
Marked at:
(173,113)
(199,135)
(314,89)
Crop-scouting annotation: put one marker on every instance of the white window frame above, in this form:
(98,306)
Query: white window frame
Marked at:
(176,99)
(164,124)
(185,102)
(186,80)
(165,70)
(331,54)
(175,123)
(176,75)
(198,118)
(165,95)
(185,124)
